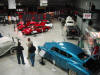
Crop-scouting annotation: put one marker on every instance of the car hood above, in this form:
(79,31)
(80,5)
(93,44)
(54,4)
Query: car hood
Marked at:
(27,29)
(5,39)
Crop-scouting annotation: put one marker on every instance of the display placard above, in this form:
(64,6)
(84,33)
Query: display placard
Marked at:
(42,53)
(86,15)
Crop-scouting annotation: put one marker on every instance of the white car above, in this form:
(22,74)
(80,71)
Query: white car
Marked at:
(69,18)
(6,44)
(70,23)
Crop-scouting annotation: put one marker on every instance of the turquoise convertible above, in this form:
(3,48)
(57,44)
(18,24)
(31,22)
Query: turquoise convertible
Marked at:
(72,58)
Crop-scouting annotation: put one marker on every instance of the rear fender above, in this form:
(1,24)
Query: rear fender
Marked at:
(78,69)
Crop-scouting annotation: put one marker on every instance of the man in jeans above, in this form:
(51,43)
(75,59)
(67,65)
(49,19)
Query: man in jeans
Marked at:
(19,49)
(32,54)
(29,45)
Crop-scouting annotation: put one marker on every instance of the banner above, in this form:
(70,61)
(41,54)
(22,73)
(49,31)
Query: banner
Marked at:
(86,15)
(11,4)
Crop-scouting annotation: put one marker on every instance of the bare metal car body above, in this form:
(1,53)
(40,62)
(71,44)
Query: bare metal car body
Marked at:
(6,44)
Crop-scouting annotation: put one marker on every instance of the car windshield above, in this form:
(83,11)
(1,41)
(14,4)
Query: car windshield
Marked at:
(1,35)
(70,22)
(83,55)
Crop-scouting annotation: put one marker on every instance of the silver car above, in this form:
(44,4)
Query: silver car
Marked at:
(7,44)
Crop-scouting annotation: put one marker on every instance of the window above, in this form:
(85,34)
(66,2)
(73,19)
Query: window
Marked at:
(70,22)
(61,52)
(65,54)
(82,55)
(68,55)
(55,49)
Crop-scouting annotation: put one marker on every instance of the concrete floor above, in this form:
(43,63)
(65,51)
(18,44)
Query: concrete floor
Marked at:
(8,63)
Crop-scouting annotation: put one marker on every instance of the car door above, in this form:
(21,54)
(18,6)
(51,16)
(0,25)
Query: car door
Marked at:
(39,29)
(5,46)
(64,58)
(55,56)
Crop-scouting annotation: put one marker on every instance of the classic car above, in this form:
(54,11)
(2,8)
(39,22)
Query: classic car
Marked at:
(70,23)
(20,23)
(6,45)
(71,58)
(21,27)
(35,29)
(73,31)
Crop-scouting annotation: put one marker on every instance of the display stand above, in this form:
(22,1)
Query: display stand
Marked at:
(42,53)
(53,67)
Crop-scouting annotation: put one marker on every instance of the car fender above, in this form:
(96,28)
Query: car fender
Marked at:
(78,68)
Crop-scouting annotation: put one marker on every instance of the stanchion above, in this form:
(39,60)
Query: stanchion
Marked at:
(53,67)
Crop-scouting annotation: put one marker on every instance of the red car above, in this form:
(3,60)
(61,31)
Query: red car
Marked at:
(44,20)
(20,27)
(20,23)
(35,29)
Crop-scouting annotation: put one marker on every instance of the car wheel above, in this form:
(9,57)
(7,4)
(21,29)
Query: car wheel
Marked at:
(72,72)
(12,51)
(46,30)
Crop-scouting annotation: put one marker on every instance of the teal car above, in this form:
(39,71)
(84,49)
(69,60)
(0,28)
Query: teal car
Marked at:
(71,58)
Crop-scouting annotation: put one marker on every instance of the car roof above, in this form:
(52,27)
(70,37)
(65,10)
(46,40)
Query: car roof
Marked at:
(69,48)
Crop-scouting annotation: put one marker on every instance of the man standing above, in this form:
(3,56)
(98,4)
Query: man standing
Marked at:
(19,49)
(29,45)
(31,51)
(32,54)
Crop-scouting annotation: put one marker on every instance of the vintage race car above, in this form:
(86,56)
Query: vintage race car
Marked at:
(35,29)
(21,27)
(20,23)
(70,57)
(6,45)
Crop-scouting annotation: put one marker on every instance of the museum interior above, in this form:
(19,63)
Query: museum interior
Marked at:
(49,37)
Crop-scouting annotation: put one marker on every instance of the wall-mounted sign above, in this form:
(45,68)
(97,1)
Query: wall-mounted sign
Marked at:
(86,15)
(43,3)
(11,4)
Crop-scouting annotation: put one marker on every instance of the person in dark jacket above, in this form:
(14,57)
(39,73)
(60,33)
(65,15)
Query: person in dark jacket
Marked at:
(32,54)
(19,52)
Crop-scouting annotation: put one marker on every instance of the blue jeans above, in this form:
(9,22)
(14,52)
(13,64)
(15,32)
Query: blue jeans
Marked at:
(22,58)
(32,58)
